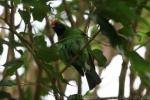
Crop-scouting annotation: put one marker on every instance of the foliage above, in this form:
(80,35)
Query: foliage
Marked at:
(122,24)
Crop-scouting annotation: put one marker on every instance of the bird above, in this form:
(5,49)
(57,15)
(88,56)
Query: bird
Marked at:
(71,42)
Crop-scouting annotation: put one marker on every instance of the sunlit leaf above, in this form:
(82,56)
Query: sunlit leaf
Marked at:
(141,66)
(17,2)
(75,97)
(127,31)
(98,55)
(138,62)
(12,66)
(25,16)
(45,81)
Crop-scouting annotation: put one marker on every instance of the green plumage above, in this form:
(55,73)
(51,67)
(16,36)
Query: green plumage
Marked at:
(72,41)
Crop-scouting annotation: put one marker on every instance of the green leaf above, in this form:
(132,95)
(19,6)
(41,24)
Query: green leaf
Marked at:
(3,3)
(75,97)
(88,94)
(28,2)
(20,51)
(48,54)
(39,42)
(147,8)
(7,83)
(56,90)
(40,10)
(140,65)
(16,2)
(55,73)
(127,31)
(28,95)
(144,21)
(25,15)
(45,81)
(12,66)
(148,34)
(98,55)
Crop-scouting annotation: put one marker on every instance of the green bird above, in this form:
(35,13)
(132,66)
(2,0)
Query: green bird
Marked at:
(72,41)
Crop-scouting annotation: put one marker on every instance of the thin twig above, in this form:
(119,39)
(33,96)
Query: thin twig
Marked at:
(122,78)
(38,87)
(79,84)
(4,28)
(27,83)
(19,86)
(1,18)
(68,13)
(109,98)
(92,9)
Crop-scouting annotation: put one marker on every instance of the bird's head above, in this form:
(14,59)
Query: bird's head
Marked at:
(58,27)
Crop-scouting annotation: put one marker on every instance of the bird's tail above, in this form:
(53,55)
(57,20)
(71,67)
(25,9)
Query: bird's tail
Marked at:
(92,78)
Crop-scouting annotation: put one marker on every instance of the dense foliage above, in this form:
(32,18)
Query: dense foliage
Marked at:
(112,27)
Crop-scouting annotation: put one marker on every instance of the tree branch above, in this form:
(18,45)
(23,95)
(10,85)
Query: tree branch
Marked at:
(122,78)
(11,38)
(19,86)
(79,84)
(79,17)
(38,87)
(11,54)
